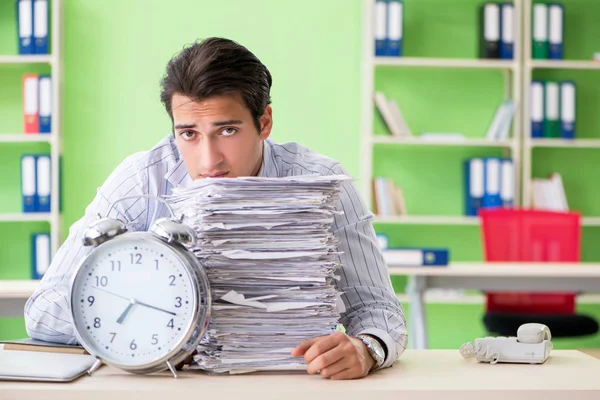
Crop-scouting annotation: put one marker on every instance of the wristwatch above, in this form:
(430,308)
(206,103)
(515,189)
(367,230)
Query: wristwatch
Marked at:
(374,347)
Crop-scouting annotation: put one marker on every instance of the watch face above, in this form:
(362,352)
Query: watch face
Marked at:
(133,300)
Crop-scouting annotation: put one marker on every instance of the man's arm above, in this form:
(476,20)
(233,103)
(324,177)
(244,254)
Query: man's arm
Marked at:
(369,298)
(47,311)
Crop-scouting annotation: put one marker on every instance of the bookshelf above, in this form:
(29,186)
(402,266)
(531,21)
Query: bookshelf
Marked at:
(554,154)
(14,65)
(506,74)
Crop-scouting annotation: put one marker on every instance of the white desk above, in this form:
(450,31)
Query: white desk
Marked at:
(419,374)
(13,295)
(530,277)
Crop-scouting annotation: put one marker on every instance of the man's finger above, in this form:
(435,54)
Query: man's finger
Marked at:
(328,364)
(321,346)
(302,347)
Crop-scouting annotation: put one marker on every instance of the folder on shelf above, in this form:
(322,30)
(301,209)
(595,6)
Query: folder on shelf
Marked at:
(552,110)
(490,30)
(491,196)
(507,185)
(417,257)
(40,258)
(380,28)
(25,26)
(474,185)
(28,182)
(507,35)
(567,109)
(394,27)
(31,116)
(40,26)
(539,37)
(537,109)
(43,183)
(555,31)
(45,103)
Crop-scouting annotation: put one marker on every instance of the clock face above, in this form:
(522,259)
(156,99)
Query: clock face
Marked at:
(133,300)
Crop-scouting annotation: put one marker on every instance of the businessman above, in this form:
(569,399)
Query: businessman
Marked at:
(217,94)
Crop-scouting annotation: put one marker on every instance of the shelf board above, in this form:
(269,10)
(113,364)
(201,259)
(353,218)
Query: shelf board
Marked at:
(27,59)
(26,217)
(565,143)
(427,220)
(563,64)
(444,62)
(25,138)
(414,141)
(17,289)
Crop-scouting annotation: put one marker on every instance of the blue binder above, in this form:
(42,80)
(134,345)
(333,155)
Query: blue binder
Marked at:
(43,183)
(380,28)
(25,26)
(568,109)
(40,26)
(418,256)
(492,168)
(474,185)
(395,19)
(28,182)
(45,103)
(537,91)
(40,254)
(506,49)
(555,31)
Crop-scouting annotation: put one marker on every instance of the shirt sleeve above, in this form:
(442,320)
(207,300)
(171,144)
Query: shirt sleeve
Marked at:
(371,306)
(47,311)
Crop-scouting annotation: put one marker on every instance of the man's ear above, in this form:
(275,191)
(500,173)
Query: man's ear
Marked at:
(266,123)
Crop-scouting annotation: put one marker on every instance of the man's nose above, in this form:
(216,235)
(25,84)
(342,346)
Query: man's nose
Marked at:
(210,157)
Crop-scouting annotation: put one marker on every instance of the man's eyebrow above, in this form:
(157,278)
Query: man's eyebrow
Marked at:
(185,126)
(228,122)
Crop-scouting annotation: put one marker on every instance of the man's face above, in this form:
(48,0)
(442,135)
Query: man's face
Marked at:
(217,136)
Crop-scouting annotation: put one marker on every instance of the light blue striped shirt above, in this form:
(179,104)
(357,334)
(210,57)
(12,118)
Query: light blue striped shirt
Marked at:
(369,299)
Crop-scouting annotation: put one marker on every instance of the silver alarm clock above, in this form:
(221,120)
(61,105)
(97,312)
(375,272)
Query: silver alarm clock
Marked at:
(140,301)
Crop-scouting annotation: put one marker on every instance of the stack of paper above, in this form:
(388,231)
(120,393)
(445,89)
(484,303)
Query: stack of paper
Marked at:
(270,256)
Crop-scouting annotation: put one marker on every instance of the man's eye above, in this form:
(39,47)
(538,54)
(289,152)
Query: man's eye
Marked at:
(228,131)
(187,135)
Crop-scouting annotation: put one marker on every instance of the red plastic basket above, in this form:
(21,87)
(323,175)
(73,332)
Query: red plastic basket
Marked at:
(531,235)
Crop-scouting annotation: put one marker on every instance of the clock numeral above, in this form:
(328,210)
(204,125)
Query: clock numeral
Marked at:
(156,261)
(172,278)
(132,345)
(96,322)
(113,336)
(91,300)
(136,258)
(155,339)
(171,324)
(101,280)
(115,265)
(177,302)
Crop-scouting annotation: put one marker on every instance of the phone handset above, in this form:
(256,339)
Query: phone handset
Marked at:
(533,333)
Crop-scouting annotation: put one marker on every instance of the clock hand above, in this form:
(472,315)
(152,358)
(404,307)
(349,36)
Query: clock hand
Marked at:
(114,294)
(155,308)
(121,318)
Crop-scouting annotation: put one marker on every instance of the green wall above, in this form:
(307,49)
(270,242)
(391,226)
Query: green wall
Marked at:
(115,53)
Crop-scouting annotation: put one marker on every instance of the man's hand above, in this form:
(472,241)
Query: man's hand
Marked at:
(337,356)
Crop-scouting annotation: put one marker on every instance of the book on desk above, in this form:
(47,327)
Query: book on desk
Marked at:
(28,344)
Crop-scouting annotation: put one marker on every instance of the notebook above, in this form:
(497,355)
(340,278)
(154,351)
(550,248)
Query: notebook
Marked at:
(47,367)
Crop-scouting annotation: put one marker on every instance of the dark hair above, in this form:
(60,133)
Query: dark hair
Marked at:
(217,66)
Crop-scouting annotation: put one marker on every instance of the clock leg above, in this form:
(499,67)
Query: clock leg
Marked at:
(173,371)
(95,366)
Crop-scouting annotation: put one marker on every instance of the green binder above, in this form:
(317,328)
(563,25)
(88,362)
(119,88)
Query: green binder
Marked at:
(552,110)
(539,32)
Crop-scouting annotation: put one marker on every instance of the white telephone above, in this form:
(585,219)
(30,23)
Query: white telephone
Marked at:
(531,346)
